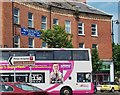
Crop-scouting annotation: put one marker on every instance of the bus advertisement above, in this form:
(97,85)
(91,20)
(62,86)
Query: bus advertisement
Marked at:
(64,71)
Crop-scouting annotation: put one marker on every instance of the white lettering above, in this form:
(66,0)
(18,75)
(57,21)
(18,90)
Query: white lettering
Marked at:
(65,66)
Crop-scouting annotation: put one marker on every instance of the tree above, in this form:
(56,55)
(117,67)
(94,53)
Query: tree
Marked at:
(96,63)
(116,57)
(57,37)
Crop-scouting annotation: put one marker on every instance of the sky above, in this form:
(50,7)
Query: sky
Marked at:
(110,7)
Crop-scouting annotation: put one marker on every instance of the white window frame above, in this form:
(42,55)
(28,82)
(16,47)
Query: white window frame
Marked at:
(18,41)
(94,28)
(31,46)
(44,22)
(30,20)
(56,21)
(17,16)
(96,46)
(82,45)
(68,26)
(82,28)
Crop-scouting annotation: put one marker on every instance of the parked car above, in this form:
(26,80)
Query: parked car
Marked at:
(98,87)
(110,86)
(10,88)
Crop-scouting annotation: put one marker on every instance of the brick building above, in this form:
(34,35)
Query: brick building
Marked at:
(91,28)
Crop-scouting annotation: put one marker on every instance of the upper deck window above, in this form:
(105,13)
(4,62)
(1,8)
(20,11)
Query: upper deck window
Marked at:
(80,55)
(62,55)
(76,55)
(18,53)
(4,55)
(44,55)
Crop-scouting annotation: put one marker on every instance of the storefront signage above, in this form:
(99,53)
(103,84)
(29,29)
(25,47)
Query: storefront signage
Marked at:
(21,60)
(30,32)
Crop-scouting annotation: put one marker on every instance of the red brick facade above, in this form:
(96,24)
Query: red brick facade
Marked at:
(103,40)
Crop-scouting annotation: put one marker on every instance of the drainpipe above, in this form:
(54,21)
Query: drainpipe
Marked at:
(13,21)
(50,15)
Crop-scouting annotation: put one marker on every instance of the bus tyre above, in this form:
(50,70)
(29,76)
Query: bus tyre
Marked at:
(101,91)
(66,91)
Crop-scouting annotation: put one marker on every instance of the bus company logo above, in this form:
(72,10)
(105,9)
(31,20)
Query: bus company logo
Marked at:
(83,85)
(66,66)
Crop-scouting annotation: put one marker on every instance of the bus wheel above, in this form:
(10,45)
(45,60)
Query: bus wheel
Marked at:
(66,91)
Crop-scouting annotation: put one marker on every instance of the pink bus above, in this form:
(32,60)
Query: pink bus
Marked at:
(56,70)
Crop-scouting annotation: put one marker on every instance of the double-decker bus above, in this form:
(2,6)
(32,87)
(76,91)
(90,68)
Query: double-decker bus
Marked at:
(56,70)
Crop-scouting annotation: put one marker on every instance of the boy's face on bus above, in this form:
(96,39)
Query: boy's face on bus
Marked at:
(55,67)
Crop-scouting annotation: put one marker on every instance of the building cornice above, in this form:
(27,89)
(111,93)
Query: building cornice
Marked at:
(64,12)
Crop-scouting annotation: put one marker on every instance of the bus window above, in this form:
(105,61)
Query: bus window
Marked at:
(18,53)
(31,53)
(44,55)
(4,55)
(7,77)
(80,55)
(83,77)
(22,77)
(62,55)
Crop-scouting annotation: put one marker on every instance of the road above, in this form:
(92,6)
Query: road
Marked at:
(107,93)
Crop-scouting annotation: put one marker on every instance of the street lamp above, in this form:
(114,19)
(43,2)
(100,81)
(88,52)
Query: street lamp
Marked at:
(112,63)
(116,22)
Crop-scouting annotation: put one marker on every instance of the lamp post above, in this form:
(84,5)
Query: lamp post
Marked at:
(112,63)
(116,22)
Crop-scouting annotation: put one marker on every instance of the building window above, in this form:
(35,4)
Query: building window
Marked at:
(94,46)
(80,28)
(31,42)
(5,46)
(94,29)
(68,26)
(55,21)
(30,20)
(44,45)
(16,16)
(44,23)
(81,45)
(17,42)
